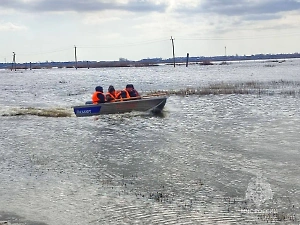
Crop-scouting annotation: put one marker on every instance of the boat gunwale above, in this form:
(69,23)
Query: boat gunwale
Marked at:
(145,98)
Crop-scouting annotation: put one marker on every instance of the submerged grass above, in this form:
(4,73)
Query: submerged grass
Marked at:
(280,87)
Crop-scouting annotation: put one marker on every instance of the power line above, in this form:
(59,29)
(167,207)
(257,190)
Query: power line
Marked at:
(126,44)
(237,37)
(160,40)
(46,52)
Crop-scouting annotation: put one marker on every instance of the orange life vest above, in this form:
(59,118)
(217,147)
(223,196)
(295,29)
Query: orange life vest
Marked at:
(95,98)
(112,96)
(119,95)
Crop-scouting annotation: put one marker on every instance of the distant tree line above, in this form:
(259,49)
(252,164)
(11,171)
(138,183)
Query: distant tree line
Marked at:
(143,62)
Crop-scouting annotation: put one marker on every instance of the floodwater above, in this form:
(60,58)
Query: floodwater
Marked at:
(212,157)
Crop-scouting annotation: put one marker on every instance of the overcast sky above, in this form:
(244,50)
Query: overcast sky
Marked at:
(48,30)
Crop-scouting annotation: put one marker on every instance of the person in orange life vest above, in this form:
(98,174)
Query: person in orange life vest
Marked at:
(111,95)
(128,92)
(98,96)
(123,94)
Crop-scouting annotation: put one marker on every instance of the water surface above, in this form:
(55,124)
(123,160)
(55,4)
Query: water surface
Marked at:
(194,164)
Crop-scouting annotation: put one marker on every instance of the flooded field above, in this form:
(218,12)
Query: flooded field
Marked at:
(225,150)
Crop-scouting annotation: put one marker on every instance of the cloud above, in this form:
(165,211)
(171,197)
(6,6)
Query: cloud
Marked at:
(246,9)
(11,27)
(84,5)
(105,17)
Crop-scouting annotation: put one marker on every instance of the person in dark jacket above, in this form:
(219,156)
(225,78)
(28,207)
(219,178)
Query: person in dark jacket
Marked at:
(98,96)
(131,91)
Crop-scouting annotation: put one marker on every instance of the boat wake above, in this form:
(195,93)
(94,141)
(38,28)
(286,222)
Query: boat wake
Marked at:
(52,112)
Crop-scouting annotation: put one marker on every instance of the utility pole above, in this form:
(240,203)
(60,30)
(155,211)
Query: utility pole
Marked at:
(75,57)
(173,50)
(187,59)
(13,66)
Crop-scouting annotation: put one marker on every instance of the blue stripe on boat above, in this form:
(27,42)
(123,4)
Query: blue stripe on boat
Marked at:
(87,110)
